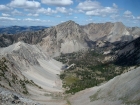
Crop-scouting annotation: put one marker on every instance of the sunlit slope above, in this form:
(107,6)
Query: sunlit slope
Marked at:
(34,65)
(121,90)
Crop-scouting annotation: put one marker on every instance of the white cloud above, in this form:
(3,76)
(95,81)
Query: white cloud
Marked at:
(4,8)
(61,9)
(30,14)
(75,17)
(114,16)
(35,20)
(48,21)
(89,19)
(115,6)
(62,21)
(95,13)
(7,18)
(81,11)
(47,11)
(30,19)
(108,10)
(5,15)
(16,12)
(88,5)
(24,4)
(94,8)
(102,12)
(57,2)
(70,9)
(58,16)
(138,17)
(128,14)
(70,13)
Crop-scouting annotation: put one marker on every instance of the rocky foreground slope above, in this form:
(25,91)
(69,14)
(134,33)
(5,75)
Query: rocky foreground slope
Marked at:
(8,97)
(27,70)
(121,90)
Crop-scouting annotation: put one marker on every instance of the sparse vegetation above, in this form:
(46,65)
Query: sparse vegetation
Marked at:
(68,102)
(90,70)
(95,96)
(12,79)
(23,84)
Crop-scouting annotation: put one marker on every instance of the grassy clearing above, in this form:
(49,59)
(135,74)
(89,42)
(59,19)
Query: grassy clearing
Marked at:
(70,79)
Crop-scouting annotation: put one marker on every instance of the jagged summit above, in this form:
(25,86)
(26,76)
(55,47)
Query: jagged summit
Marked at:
(68,28)
(69,22)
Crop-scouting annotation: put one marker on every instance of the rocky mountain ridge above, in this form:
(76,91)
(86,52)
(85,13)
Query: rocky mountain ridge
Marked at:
(69,36)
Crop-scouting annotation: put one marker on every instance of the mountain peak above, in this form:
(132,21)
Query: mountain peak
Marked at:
(71,21)
(68,23)
(119,24)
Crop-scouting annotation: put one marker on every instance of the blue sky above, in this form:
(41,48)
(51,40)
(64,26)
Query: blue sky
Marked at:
(53,12)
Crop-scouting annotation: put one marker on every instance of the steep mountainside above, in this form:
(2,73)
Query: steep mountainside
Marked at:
(8,97)
(111,32)
(134,31)
(34,64)
(121,90)
(117,32)
(27,70)
(98,30)
(129,54)
(65,38)
(6,40)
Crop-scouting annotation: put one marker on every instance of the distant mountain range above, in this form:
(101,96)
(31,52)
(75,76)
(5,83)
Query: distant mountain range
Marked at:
(18,29)
(70,37)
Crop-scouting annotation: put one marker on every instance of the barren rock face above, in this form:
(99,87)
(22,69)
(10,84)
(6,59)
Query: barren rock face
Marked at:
(65,38)
(117,32)
(98,30)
